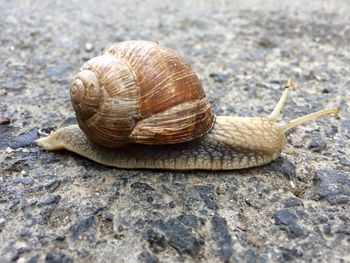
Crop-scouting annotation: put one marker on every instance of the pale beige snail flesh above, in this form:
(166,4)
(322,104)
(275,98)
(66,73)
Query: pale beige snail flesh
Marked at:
(195,138)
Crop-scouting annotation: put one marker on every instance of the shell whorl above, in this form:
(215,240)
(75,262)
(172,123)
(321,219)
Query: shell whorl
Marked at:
(86,93)
(115,111)
(147,94)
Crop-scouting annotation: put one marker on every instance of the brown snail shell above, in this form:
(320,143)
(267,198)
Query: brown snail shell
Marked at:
(140,92)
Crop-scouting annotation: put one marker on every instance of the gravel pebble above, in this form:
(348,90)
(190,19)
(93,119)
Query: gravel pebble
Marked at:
(288,220)
(331,185)
(81,226)
(57,257)
(24,140)
(4,120)
(317,145)
(222,238)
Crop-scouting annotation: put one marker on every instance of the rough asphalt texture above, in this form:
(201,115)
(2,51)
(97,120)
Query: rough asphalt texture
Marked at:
(59,207)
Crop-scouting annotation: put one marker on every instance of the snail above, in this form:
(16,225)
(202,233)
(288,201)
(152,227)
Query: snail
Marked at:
(140,105)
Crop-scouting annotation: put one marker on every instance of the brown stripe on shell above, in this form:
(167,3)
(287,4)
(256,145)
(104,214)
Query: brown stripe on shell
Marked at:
(115,76)
(179,124)
(165,79)
(112,124)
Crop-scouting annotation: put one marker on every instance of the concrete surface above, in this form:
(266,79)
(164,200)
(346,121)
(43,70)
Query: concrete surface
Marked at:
(59,207)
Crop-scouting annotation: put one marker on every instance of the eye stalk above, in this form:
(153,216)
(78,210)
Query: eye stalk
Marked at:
(85,94)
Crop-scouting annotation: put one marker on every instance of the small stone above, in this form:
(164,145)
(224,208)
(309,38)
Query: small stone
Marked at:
(9,150)
(317,144)
(331,185)
(13,84)
(147,257)
(50,200)
(57,257)
(24,139)
(326,90)
(181,238)
(6,135)
(320,75)
(321,220)
(21,250)
(45,214)
(172,204)
(253,56)
(52,185)
(27,181)
(218,77)
(2,223)
(107,216)
(25,233)
(267,42)
(33,259)
(207,193)
(155,239)
(293,202)
(344,161)
(338,199)
(290,254)
(84,175)
(327,229)
(283,166)
(344,217)
(188,220)
(45,131)
(81,226)
(222,238)
(250,201)
(90,205)
(330,130)
(287,219)
(4,120)
(343,229)
(251,255)
(142,186)
(89,47)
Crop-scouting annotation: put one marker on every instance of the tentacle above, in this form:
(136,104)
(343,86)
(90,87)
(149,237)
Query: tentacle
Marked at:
(312,116)
(277,110)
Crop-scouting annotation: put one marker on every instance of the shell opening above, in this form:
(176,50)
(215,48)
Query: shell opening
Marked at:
(85,94)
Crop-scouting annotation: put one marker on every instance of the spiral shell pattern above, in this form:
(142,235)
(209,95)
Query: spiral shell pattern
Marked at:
(140,92)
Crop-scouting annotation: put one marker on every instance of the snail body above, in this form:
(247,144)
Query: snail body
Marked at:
(145,101)
(233,143)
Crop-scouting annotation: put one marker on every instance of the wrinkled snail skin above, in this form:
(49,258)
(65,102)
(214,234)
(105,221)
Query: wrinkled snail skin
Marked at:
(233,143)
